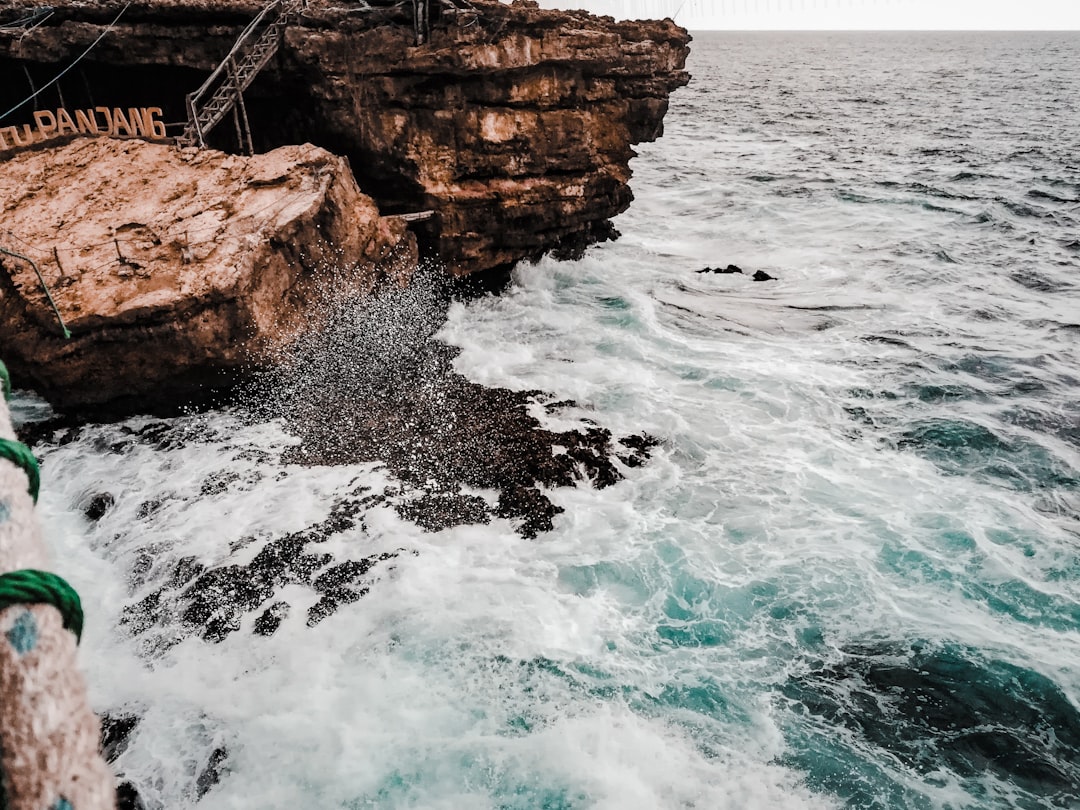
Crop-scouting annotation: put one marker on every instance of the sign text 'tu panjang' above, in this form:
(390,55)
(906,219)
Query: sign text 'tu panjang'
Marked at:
(136,122)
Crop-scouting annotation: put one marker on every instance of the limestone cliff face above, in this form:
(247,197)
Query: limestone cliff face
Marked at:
(176,269)
(515,124)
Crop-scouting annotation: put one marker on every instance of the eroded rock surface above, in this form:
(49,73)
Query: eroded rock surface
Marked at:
(173,270)
(515,124)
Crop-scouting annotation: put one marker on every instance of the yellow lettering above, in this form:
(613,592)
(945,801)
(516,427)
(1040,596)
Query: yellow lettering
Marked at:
(64,122)
(120,122)
(138,122)
(86,121)
(26,139)
(45,130)
(153,126)
(105,111)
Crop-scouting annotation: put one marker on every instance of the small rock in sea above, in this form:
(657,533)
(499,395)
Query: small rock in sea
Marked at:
(761,275)
(128,798)
(116,733)
(640,447)
(212,773)
(271,619)
(98,505)
(730,269)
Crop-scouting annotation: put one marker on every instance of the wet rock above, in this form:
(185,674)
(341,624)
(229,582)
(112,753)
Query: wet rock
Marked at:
(219,482)
(212,772)
(376,386)
(761,275)
(271,619)
(148,508)
(531,506)
(213,601)
(730,269)
(640,448)
(98,506)
(433,511)
(128,798)
(116,733)
(339,585)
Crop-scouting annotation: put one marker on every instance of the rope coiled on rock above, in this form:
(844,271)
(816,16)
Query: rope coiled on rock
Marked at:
(5,381)
(19,455)
(29,587)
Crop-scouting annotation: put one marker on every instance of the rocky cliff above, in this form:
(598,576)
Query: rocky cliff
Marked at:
(173,270)
(514,124)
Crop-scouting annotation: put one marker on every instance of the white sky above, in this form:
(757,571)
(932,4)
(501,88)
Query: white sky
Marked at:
(845,14)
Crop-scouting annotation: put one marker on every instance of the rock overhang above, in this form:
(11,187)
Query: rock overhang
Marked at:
(514,123)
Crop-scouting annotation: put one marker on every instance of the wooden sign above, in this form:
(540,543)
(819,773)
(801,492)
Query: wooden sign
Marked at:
(138,122)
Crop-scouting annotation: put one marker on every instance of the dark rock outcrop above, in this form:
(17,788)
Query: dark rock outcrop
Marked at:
(723,271)
(515,124)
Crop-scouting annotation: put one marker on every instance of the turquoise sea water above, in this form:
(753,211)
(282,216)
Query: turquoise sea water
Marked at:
(850,577)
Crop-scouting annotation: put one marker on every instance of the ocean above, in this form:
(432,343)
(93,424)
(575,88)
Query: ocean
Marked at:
(849,576)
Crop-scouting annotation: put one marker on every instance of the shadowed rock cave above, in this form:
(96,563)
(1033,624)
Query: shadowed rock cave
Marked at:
(278,103)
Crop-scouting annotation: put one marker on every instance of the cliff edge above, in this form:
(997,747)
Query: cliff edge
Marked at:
(513,123)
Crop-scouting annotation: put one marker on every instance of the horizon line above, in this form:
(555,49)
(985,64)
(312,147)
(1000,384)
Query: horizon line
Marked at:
(879,30)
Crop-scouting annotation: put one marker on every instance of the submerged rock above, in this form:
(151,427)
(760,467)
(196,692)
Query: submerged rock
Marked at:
(175,269)
(948,706)
(98,506)
(116,729)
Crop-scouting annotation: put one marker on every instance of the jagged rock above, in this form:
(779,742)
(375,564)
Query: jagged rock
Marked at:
(212,772)
(761,275)
(116,734)
(98,505)
(128,798)
(213,601)
(514,123)
(730,269)
(226,256)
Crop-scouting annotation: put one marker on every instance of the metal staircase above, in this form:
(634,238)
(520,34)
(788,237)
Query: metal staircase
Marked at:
(223,91)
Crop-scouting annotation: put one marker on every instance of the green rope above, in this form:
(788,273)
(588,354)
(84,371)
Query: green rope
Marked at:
(5,380)
(19,454)
(44,286)
(29,587)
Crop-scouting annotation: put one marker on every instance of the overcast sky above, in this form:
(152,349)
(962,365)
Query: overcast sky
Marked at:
(846,14)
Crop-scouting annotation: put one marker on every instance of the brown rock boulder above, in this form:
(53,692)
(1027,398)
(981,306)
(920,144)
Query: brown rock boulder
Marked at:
(174,270)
